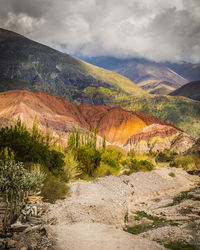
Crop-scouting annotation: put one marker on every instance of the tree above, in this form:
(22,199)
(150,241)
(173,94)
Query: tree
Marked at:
(89,159)
(15,183)
(95,137)
(30,148)
(77,137)
(104,143)
(71,139)
(35,130)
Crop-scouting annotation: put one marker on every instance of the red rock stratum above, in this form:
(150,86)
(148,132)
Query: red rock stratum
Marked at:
(59,115)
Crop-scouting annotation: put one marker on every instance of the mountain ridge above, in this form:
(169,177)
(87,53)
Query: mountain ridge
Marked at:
(35,67)
(60,116)
(190,90)
(155,78)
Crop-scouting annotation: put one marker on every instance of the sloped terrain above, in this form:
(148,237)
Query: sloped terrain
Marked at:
(155,78)
(190,71)
(60,116)
(190,90)
(158,137)
(28,65)
(25,64)
(180,111)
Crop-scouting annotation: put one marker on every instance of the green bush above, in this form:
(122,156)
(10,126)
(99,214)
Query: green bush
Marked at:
(172,174)
(15,184)
(112,157)
(30,147)
(71,171)
(53,189)
(89,160)
(105,170)
(165,156)
(14,178)
(136,166)
(187,162)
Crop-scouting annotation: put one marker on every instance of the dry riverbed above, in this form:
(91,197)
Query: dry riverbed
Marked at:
(146,210)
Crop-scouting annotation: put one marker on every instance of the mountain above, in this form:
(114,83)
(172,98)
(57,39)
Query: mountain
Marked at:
(190,71)
(190,90)
(180,111)
(25,64)
(31,66)
(155,78)
(118,125)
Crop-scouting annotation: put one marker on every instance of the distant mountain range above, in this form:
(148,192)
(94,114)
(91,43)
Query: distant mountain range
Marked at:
(125,129)
(28,65)
(155,78)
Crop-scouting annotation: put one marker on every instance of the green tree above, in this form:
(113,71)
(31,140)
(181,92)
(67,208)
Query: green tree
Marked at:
(89,159)
(104,143)
(28,148)
(95,137)
(15,183)
(77,138)
(71,139)
(82,140)
(35,129)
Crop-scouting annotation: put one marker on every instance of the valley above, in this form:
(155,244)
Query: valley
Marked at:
(36,67)
(103,156)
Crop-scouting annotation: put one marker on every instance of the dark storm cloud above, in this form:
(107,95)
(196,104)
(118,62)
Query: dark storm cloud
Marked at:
(155,29)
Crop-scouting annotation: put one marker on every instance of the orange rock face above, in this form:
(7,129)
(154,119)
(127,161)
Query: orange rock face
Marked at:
(60,116)
(153,131)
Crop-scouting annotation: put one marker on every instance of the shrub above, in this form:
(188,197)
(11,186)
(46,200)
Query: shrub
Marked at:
(71,167)
(15,179)
(187,162)
(112,157)
(27,147)
(89,159)
(172,174)
(105,170)
(53,189)
(15,183)
(135,166)
(165,156)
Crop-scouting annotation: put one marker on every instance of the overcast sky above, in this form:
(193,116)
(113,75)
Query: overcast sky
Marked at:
(154,29)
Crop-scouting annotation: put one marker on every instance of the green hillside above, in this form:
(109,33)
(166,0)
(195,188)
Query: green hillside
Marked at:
(36,67)
(25,64)
(182,112)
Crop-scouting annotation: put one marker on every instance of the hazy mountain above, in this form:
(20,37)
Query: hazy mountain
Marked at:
(156,78)
(190,90)
(188,70)
(25,64)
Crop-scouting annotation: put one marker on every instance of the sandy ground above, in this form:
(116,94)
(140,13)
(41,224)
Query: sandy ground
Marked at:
(93,217)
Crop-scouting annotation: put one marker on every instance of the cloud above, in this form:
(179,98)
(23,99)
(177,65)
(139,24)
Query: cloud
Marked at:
(155,29)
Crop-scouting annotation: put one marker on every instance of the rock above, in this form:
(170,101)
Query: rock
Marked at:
(11,243)
(157,137)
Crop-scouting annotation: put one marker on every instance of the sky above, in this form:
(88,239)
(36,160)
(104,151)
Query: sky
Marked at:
(159,30)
